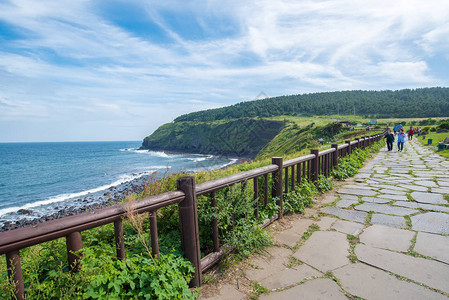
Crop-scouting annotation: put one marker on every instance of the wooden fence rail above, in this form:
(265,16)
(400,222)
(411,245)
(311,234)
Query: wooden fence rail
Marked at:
(284,174)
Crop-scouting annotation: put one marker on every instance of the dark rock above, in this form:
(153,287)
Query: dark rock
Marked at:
(25,212)
(442,130)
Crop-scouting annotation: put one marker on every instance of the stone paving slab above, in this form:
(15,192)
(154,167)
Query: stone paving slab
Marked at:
(292,235)
(411,204)
(431,198)
(350,215)
(317,289)
(425,183)
(431,222)
(395,197)
(417,188)
(431,273)
(315,251)
(386,209)
(348,197)
(357,192)
(325,222)
(389,238)
(440,191)
(433,245)
(387,220)
(348,227)
(276,258)
(288,277)
(392,192)
(346,203)
(227,292)
(364,281)
(392,187)
(375,200)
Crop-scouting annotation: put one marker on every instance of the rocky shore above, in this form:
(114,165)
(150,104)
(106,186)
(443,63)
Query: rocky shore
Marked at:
(109,197)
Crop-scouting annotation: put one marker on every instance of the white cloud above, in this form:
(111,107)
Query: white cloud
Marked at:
(71,63)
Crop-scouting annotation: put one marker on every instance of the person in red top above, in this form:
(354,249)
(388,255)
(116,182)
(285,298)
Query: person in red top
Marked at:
(410,133)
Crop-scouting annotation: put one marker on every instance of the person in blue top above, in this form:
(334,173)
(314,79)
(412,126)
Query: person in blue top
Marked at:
(401,139)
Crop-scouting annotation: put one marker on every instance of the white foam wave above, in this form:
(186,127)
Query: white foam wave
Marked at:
(62,197)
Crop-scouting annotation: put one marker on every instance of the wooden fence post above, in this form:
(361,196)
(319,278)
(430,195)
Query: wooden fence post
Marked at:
(73,243)
(277,182)
(315,164)
(335,156)
(188,217)
(15,273)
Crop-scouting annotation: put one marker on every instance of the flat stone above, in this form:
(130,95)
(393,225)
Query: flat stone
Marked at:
(440,190)
(395,197)
(433,245)
(426,183)
(411,204)
(358,192)
(392,221)
(288,277)
(276,258)
(385,209)
(392,192)
(328,198)
(432,222)
(317,289)
(359,186)
(227,291)
(392,187)
(428,198)
(385,237)
(325,222)
(348,227)
(292,235)
(431,273)
(350,215)
(375,200)
(348,197)
(315,251)
(346,203)
(366,282)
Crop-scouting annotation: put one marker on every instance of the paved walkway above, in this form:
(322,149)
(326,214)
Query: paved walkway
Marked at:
(382,235)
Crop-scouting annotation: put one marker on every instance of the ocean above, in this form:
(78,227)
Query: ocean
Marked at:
(44,177)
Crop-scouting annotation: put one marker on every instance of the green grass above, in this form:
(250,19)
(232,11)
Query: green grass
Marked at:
(436,137)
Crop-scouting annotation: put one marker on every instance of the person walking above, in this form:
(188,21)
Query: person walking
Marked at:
(401,139)
(410,133)
(390,139)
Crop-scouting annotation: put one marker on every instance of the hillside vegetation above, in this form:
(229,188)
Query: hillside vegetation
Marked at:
(407,103)
(237,138)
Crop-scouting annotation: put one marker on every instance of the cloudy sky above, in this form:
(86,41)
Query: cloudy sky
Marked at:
(116,70)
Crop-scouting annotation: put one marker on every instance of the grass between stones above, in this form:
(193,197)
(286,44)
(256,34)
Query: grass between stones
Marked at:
(258,290)
(411,250)
(353,241)
(294,262)
(369,217)
(408,222)
(400,277)
(409,197)
(312,228)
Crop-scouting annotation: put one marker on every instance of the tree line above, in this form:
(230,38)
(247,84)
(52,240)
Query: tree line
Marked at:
(406,103)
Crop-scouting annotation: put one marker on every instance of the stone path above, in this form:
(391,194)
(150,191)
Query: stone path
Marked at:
(382,235)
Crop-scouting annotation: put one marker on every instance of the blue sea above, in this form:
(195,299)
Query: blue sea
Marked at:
(42,177)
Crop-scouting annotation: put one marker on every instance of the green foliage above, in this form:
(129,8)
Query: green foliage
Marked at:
(296,201)
(324,184)
(348,166)
(138,277)
(242,137)
(407,103)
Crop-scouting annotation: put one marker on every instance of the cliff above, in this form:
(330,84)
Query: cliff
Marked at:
(234,138)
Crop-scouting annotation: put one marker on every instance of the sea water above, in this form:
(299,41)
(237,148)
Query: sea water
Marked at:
(41,177)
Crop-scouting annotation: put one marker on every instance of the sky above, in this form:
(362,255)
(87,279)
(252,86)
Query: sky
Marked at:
(109,70)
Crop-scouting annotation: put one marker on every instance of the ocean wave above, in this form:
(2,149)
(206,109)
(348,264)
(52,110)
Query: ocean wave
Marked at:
(62,197)
(198,159)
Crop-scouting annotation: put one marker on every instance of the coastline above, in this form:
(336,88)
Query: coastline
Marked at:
(108,197)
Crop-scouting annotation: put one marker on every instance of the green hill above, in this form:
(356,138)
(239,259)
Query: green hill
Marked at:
(408,103)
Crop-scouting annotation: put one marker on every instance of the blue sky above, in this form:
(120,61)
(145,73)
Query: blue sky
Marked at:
(116,70)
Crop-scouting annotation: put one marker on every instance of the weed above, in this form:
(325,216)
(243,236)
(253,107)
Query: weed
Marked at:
(258,290)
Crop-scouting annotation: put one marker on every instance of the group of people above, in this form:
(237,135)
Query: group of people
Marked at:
(399,131)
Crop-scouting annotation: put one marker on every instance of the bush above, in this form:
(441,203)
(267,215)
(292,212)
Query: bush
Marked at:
(443,126)
(433,129)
